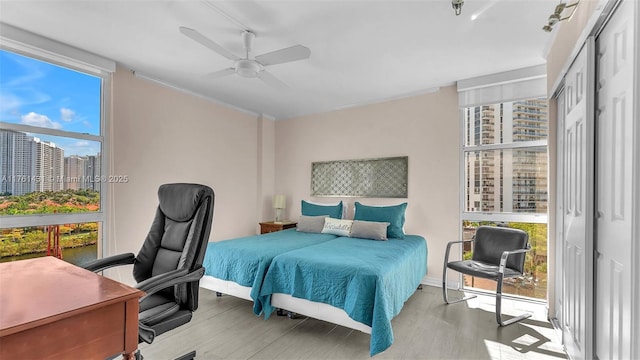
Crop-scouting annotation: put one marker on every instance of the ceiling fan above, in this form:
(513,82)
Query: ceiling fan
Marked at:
(247,67)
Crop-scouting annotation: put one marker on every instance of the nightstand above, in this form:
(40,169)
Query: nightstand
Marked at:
(270,226)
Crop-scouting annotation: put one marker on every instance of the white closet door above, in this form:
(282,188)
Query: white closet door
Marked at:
(578,208)
(614,169)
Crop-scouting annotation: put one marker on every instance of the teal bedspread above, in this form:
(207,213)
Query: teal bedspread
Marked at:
(368,279)
(246,260)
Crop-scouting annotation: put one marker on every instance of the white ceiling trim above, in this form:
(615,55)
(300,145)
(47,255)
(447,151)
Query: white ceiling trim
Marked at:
(375,101)
(155,80)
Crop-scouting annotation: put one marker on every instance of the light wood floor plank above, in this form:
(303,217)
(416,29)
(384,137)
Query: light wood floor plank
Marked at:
(225,328)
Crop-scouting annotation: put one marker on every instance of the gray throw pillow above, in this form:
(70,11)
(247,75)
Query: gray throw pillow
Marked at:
(312,224)
(369,230)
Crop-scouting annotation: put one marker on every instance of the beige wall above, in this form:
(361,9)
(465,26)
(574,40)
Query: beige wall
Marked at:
(566,38)
(161,135)
(266,170)
(425,128)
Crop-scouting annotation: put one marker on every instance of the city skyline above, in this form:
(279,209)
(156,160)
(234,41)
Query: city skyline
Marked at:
(29,164)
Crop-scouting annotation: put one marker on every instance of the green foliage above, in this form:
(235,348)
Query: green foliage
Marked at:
(20,241)
(88,227)
(47,202)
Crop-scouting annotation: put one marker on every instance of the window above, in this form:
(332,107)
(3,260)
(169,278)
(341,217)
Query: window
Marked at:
(52,146)
(509,173)
(504,164)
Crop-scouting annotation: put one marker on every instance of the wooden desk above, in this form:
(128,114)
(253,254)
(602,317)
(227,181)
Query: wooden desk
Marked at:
(50,309)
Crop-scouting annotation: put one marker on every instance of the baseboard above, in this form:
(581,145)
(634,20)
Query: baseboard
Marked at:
(437,282)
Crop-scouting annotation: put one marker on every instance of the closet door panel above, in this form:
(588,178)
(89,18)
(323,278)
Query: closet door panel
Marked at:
(578,208)
(614,200)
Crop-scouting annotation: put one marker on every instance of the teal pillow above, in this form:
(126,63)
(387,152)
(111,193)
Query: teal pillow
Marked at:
(394,215)
(311,209)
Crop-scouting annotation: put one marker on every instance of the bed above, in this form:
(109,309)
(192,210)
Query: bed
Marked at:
(369,280)
(237,267)
(345,276)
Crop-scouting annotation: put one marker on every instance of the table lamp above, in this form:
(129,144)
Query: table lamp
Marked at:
(279,203)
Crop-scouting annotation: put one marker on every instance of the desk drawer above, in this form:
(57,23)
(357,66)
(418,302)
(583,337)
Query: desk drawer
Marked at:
(93,334)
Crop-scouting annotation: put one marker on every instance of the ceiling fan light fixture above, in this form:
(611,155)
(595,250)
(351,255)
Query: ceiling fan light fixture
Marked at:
(247,68)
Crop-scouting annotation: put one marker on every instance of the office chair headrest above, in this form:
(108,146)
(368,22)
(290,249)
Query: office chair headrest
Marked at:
(179,202)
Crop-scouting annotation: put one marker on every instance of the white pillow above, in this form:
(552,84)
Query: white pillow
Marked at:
(337,227)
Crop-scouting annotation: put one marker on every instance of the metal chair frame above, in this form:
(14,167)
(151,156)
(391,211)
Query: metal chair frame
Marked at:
(499,280)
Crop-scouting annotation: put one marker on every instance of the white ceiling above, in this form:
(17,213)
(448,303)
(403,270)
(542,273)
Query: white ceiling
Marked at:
(361,51)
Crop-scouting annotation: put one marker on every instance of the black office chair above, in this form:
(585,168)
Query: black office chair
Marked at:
(498,253)
(169,265)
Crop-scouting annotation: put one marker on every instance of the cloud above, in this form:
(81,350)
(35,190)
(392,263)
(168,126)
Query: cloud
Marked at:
(67,114)
(34,119)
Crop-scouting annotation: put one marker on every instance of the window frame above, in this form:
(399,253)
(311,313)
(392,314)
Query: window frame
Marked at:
(538,218)
(494,216)
(67,59)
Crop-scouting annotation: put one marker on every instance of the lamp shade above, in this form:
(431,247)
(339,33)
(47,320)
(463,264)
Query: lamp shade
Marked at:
(279,202)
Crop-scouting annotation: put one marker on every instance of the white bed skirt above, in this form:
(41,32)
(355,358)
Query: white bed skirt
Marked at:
(305,307)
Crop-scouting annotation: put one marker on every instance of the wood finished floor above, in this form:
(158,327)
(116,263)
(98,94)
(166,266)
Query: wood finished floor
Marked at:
(225,328)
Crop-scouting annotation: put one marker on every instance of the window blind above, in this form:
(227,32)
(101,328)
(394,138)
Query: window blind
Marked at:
(526,83)
(34,45)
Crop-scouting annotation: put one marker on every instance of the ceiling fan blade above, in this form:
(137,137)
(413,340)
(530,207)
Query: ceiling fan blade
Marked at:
(294,53)
(205,41)
(220,73)
(271,80)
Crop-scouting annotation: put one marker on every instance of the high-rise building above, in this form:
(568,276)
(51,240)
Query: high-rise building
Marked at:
(17,163)
(49,169)
(82,172)
(28,164)
(74,175)
(530,123)
(92,172)
(506,180)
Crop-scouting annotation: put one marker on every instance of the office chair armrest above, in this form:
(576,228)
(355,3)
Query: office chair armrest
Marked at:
(108,262)
(146,333)
(505,255)
(168,279)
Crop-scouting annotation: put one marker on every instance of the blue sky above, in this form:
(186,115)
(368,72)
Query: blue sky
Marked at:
(37,93)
